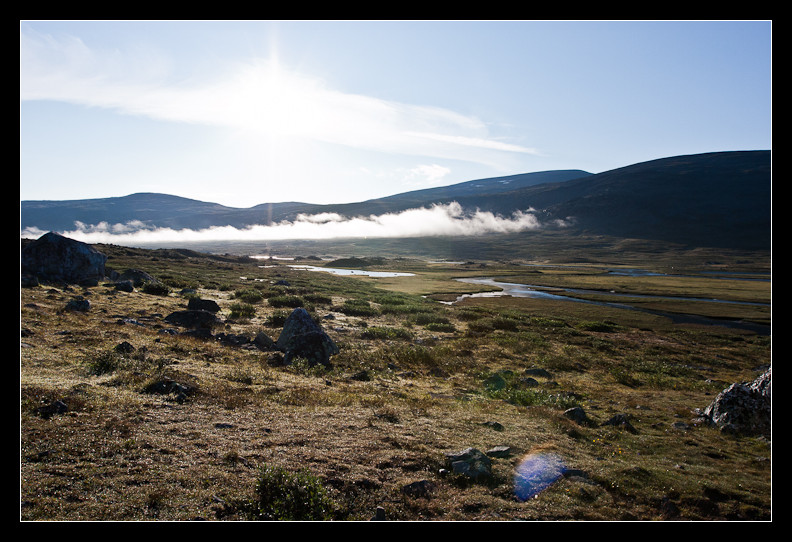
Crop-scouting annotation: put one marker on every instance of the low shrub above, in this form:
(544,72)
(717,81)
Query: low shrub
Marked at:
(319,299)
(356,307)
(376,332)
(155,288)
(488,324)
(281,495)
(426,318)
(242,310)
(103,363)
(276,319)
(602,327)
(442,327)
(291,301)
(249,295)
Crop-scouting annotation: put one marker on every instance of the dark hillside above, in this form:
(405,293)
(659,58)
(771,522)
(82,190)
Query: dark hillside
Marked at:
(714,199)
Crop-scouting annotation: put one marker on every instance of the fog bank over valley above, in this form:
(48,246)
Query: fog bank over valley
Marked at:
(437,220)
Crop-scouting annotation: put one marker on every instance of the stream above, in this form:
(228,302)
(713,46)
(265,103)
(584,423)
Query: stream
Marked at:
(352,272)
(534,291)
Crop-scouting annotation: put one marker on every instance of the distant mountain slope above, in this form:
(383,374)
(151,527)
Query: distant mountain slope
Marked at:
(155,210)
(717,199)
(720,199)
(476,188)
(166,211)
(466,191)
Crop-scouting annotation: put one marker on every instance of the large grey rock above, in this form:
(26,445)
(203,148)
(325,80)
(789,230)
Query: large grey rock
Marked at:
(302,337)
(138,277)
(743,407)
(55,258)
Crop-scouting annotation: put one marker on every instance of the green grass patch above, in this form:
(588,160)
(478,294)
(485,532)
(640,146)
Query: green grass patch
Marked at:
(512,388)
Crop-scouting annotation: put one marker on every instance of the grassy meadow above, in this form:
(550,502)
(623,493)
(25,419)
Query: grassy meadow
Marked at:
(171,427)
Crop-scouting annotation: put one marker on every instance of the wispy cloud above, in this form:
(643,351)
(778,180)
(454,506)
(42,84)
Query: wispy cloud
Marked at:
(438,220)
(426,175)
(258,96)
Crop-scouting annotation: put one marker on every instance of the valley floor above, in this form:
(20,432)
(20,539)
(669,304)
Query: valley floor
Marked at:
(184,428)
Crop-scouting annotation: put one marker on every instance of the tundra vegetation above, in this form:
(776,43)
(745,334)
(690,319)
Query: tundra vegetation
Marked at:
(123,419)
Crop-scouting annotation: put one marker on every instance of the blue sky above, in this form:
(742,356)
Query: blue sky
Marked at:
(249,112)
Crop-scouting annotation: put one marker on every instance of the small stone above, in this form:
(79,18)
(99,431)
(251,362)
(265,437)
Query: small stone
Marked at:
(56,407)
(124,348)
(379,515)
(577,414)
(499,451)
(493,425)
(621,420)
(537,371)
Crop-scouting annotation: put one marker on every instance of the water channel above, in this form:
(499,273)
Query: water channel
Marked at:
(352,272)
(500,288)
(535,291)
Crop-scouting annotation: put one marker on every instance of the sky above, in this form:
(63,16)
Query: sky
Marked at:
(248,112)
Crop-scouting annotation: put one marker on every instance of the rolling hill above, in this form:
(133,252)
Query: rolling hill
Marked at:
(720,199)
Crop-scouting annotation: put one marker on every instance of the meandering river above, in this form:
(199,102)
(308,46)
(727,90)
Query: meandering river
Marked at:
(528,290)
(500,288)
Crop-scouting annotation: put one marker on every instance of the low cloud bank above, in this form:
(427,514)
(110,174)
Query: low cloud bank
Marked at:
(439,220)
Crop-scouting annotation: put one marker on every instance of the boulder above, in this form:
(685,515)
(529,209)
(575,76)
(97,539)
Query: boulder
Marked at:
(303,337)
(577,415)
(232,339)
(264,342)
(470,462)
(79,304)
(743,407)
(197,304)
(138,277)
(55,258)
(193,319)
(125,286)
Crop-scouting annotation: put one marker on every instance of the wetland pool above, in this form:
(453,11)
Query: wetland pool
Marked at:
(352,272)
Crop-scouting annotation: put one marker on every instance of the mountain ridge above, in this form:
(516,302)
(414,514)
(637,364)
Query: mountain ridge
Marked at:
(712,199)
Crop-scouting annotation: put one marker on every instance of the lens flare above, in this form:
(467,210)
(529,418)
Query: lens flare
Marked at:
(535,473)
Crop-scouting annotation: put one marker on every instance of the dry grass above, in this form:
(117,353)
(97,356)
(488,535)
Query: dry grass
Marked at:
(119,451)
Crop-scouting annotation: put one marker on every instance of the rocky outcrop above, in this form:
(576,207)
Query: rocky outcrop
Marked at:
(743,407)
(55,258)
(302,337)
